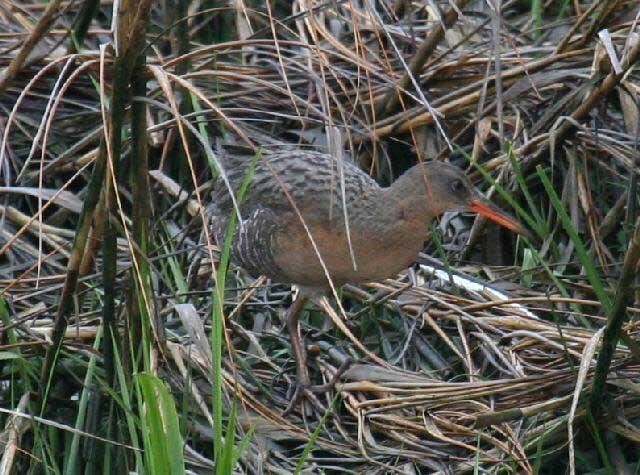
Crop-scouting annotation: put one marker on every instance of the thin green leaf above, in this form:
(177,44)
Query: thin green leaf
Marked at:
(314,436)
(160,427)
(218,315)
(583,254)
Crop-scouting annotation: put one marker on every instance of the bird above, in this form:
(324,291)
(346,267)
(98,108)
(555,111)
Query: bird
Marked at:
(318,222)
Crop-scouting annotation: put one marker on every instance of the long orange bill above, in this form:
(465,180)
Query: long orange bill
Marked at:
(488,209)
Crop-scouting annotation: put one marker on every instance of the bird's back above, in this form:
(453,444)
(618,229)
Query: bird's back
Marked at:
(307,178)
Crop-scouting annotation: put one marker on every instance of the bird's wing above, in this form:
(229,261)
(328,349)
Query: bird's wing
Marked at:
(311,180)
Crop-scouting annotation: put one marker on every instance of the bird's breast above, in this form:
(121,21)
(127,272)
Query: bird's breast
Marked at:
(307,256)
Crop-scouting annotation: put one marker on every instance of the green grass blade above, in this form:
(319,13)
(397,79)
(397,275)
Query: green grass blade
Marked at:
(314,436)
(583,254)
(517,170)
(126,403)
(160,427)
(73,454)
(218,316)
(225,467)
(536,15)
(242,446)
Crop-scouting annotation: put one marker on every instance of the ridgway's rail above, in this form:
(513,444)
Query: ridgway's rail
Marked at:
(309,218)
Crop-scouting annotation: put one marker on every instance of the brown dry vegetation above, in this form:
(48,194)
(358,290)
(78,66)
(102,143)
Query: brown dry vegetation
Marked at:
(493,370)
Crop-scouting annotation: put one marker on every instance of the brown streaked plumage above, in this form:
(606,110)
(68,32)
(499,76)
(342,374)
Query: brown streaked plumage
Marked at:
(387,227)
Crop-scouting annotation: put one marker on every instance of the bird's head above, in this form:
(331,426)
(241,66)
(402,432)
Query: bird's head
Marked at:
(445,187)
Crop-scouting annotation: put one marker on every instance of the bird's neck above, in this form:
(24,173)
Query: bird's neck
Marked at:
(409,210)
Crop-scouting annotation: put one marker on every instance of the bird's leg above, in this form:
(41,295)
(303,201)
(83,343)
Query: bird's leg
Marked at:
(293,319)
(303,382)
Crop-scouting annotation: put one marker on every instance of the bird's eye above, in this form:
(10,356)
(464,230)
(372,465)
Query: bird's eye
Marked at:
(457,186)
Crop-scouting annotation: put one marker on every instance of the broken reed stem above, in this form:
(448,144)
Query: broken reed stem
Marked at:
(593,98)
(132,30)
(564,42)
(109,234)
(16,64)
(411,119)
(65,305)
(132,21)
(458,106)
(391,101)
(498,417)
(607,9)
(140,289)
(623,295)
(82,21)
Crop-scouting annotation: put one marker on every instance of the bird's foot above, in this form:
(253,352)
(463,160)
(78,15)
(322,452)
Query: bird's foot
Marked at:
(307,391)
